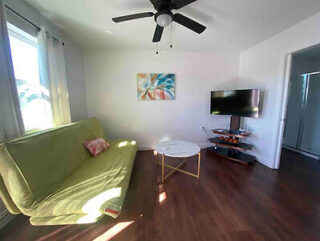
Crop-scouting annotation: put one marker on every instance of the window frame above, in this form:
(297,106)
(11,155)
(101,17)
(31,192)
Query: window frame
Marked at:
(26,37)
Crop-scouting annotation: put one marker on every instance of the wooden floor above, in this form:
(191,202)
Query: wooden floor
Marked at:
(229,202)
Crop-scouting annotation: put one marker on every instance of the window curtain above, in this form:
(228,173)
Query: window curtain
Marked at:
(53,76)
(11,123)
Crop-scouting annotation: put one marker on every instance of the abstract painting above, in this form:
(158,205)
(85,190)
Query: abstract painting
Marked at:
(155,86)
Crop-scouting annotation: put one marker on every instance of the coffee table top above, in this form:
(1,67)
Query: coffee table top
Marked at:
(177,148)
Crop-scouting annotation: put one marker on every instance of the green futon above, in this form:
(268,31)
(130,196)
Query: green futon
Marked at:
(51,177)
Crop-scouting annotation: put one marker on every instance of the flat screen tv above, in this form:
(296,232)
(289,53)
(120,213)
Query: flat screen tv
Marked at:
(244,103)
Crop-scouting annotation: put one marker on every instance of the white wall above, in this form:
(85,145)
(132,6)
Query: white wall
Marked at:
(263,66)
(112,94)
(73,55)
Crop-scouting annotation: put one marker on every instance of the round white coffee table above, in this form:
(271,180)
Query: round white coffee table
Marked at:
(177,149)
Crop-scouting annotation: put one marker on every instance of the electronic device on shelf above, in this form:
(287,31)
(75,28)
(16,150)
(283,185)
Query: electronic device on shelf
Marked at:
(236,103)
(242,103)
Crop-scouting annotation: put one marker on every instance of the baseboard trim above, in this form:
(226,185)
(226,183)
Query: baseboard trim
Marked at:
(148,147)
(301,152)
(204,145)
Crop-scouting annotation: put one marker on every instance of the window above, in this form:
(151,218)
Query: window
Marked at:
(34,98)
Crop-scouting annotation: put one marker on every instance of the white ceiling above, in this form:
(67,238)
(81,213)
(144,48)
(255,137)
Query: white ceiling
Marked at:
(231,24)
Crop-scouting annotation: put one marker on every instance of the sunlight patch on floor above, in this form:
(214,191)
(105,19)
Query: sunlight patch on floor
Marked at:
(162,197)
(112,232)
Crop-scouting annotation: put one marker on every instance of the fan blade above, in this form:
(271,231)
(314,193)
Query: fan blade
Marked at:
(157,34)
(177,4)
(189,23)
(154,3)
(132,17)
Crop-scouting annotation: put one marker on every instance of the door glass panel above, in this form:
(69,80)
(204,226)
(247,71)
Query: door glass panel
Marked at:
(294,110)
(311,126)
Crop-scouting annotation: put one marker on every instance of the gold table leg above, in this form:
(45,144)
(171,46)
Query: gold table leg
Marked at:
(163,165)
(199,158)
(162,175)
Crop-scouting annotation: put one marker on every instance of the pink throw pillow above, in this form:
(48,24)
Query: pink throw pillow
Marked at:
(96,146)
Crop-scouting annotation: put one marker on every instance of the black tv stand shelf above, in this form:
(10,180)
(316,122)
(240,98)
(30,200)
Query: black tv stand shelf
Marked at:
(229,144)
(235,156)
(233,133)
(241,146)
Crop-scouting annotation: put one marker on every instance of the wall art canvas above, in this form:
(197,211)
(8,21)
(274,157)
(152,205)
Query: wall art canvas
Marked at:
(155,86)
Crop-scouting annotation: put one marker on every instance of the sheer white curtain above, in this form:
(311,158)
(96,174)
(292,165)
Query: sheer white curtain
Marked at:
(11,123)
(53,76)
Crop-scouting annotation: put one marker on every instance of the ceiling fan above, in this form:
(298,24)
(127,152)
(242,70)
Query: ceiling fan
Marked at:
(163,17)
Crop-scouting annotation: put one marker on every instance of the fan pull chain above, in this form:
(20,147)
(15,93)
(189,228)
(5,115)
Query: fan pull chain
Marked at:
(171,37)
(157,48)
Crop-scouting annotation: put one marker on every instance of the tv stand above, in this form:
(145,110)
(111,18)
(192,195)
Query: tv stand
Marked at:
(235,122)
(229,144)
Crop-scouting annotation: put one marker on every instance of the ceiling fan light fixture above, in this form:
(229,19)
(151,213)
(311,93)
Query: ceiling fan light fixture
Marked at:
(164,20)
(164,17)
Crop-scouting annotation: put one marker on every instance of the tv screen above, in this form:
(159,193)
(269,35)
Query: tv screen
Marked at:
(243,103)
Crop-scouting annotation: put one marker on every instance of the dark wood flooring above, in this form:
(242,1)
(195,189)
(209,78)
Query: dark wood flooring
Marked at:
(229,202)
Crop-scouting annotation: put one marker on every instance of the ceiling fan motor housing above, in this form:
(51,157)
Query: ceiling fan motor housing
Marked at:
(163,17)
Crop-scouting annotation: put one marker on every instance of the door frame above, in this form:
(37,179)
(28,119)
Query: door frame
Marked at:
(283,108)
(284,100)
